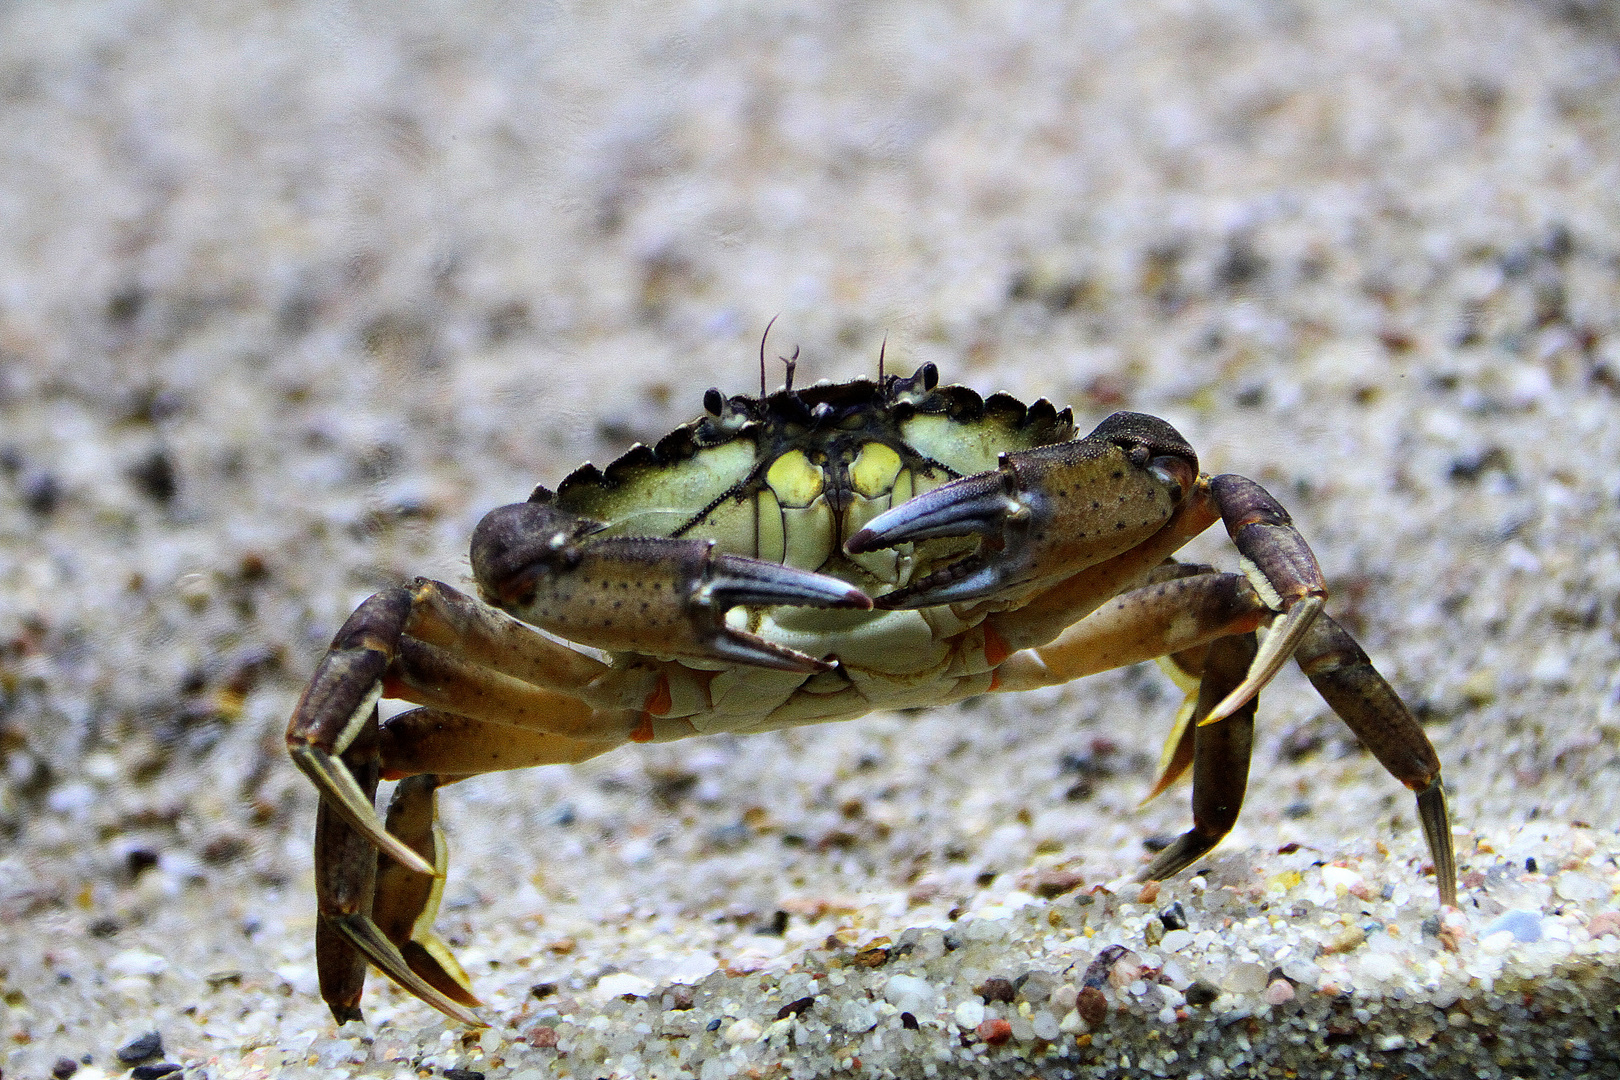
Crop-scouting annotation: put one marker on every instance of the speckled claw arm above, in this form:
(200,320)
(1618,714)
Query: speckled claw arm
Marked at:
(1044,514)
(1280,566)
(655,595)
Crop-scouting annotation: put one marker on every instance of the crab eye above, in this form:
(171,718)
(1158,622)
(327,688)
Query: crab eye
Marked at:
(714,402)
(930,375)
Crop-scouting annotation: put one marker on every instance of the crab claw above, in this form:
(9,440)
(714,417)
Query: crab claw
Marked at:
(655,595)
(1045,513)
(1280,566)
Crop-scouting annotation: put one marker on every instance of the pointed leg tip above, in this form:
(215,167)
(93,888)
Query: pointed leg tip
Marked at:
(343,1014)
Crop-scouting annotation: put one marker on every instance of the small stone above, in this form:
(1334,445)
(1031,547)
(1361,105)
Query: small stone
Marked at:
(141,1049)
(743,1031)
(64,1068)
(463,1074)
(996,989)
(541,1037)
(872,958)
(1344,939)
(1573,886)
(1092,1006)
(1244,979)
(1603,923)
(1045,1026)
(1200,992)
(1153,932)
(1063,998)
(1149,893)
(1523,925)
(969,1014)
(1176,940)
(161,1071)
(1279,992)
(795,1008)
(1051,884)
(1338,878)
(908,993)
(1174,917)
(994,1032)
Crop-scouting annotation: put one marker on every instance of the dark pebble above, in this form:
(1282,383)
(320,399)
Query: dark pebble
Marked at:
(1174,917)
(795,1008)
(1201,993)
(154,1072)
(1092,1006)
(145,1048)
(714,1025)
(463,1074)
(64,1068)
(997,989)
(908,1021)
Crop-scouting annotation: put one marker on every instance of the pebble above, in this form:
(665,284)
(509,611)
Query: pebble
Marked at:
(1244,979)
(1176,940)
(743,1031)
(1339,877)
(1523,925)
(1603,923)
(143,1048)
(994,1032)
(969,1014)
(910,994)
(1279,992)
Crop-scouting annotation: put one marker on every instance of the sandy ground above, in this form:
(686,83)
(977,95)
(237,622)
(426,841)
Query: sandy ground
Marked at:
(291,294)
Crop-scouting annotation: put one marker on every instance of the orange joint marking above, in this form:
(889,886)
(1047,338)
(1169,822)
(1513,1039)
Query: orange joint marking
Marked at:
(658,703)
(995,651)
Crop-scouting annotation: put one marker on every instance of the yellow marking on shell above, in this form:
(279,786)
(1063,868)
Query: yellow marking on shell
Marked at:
(809,534)
(874,470)
(795,480)
(772,533)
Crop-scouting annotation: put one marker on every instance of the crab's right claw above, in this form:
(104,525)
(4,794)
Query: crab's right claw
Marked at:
(654,595)
(1043,514)
(1280,566)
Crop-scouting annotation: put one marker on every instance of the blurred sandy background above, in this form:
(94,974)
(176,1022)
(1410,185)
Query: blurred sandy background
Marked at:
(291,293)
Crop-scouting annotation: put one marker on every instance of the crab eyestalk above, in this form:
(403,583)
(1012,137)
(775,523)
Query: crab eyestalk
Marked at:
(653,595)
(1043,514)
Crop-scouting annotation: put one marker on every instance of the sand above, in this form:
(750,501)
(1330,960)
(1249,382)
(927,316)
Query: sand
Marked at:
(291,294)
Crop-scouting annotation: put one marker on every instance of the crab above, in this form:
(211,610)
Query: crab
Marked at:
(806,556)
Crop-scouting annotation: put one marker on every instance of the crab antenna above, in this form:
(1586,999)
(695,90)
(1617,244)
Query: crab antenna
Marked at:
(883,348)
(762,339)
(792,363)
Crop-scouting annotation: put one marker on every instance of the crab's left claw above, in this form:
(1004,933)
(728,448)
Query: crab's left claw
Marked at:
(1280,566)
(659,596)
(1044,514)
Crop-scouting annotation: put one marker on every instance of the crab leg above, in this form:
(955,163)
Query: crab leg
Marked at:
(1280,566)
(1346,679)
(1220,761)
(1166,616)
(340,706)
